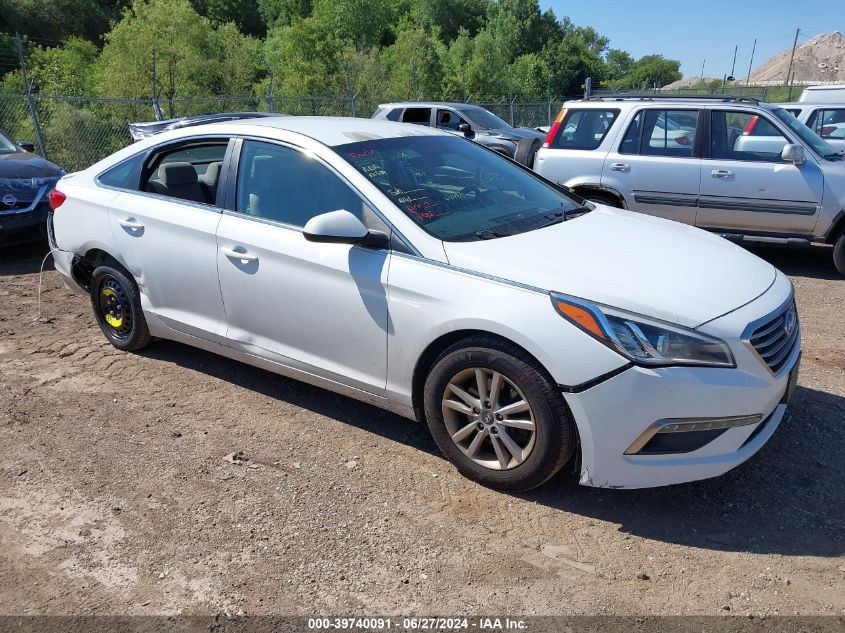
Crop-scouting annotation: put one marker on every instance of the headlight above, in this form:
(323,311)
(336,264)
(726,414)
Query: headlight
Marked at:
(643,340)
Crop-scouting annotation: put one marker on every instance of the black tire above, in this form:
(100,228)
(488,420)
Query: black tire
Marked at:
(839,253)
(554,436)
(526,150)
(117,308)
(600,198)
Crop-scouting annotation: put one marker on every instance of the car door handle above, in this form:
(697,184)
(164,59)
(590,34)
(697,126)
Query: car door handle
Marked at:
(233,254)
(721,173)
(131,224)
(620,167)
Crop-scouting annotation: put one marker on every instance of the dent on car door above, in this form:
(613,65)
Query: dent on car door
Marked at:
(165,233)
(316,307)
(747,186)
(656,163)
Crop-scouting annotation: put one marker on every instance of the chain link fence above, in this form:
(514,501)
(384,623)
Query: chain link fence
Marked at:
(78,131)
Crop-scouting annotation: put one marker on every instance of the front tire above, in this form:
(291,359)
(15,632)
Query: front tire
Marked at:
(839,253)
(117,308)
(497,415)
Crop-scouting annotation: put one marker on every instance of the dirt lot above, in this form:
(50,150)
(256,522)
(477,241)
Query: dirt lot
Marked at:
(116,497)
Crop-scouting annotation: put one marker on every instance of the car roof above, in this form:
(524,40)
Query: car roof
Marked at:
(429,104)
(695,100)
(327,130)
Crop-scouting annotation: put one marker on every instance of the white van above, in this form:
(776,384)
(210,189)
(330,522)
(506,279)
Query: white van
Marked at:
(823,94)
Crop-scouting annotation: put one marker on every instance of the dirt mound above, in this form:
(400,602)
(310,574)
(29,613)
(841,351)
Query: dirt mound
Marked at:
(821,58)
(688,82)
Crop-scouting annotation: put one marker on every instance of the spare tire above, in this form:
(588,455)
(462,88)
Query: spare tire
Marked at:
(526,150)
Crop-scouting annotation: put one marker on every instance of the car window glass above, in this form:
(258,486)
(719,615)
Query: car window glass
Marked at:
(188,173)
(6,145)
(583,129)
(125,175)
(421,116)
(395,114)
(828,123)
(669,133)
(447,120)
(457,190)
(744,136)
(282,184)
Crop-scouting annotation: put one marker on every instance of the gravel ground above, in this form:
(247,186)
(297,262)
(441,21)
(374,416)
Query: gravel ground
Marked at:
(117,496)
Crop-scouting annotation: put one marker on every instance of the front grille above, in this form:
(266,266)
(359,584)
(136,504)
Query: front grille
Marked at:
(775,339)
(21,194)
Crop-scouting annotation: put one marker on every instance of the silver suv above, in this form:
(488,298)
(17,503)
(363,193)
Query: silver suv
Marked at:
(747,170)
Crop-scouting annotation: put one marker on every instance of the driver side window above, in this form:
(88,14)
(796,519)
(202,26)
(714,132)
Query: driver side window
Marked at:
(448,120)
(282,184)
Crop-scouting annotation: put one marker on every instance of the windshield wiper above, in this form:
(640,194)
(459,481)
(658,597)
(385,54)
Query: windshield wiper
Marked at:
(489,234)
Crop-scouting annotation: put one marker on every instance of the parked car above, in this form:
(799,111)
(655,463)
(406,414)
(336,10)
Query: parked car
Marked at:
(427,275)
(140,131)
(25,181)
(831,93)
(751,172)
(825,119)
(472,121)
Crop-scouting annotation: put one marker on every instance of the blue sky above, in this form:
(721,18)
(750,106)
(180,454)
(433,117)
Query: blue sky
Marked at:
(691,31)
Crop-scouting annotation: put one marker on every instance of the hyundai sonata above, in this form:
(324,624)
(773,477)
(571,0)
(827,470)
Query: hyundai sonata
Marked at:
(422,273)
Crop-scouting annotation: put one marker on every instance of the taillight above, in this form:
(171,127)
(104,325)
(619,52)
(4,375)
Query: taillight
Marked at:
(56,199)
(827,130)
(550,137)
(749,128)
(682,140)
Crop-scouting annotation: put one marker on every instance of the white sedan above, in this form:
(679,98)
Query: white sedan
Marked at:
(422,273)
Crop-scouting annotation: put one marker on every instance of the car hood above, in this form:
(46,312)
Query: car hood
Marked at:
(515,133)
(635,262)
(26,165)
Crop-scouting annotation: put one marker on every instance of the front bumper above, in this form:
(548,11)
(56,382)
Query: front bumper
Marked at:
(615,415)
(18,226)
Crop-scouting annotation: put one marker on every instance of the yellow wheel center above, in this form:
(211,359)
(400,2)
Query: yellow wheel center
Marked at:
(111,319)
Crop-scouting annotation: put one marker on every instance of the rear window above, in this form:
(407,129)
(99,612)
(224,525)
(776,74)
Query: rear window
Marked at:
(583,129)
(394,114)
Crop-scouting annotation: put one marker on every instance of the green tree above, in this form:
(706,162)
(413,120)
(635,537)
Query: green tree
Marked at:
(365,23)
(307,58)
(53,21)
(413,64)
(450,16)
(619,64)
(653,70)
(244,13)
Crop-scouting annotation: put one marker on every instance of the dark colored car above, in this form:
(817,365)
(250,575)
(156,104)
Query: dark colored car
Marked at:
(25,182)
(474,122)
(140,131)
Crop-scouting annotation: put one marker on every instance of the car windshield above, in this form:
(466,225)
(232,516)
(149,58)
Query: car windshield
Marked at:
(6,145)
(456,190)
(484,119)
(819,145)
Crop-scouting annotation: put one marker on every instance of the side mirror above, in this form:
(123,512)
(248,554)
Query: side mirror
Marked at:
(794,154)
(465,129)
(27,146)
(341,227)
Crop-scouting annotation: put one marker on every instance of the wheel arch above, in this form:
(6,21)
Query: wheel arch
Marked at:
(83,266)
(584,189)
(837,227)
(426,359)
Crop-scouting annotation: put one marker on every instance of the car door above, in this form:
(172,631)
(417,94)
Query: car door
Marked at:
(316,307)
(165,234)
(747,187)
(656,165)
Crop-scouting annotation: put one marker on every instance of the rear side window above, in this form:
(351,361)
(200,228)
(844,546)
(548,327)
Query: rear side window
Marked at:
(394,115)
(125,175)
(583,129)
(828,123)
(420,116)
(661,133)
(187,173)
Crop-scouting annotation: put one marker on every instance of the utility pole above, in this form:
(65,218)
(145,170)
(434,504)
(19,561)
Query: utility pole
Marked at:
(750,62)
(704,61)
(792,59)
(271,96)
(733,66)
(29,102)
(350,95)
(156,105)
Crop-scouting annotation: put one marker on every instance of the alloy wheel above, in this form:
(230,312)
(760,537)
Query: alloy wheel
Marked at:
(488,418)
